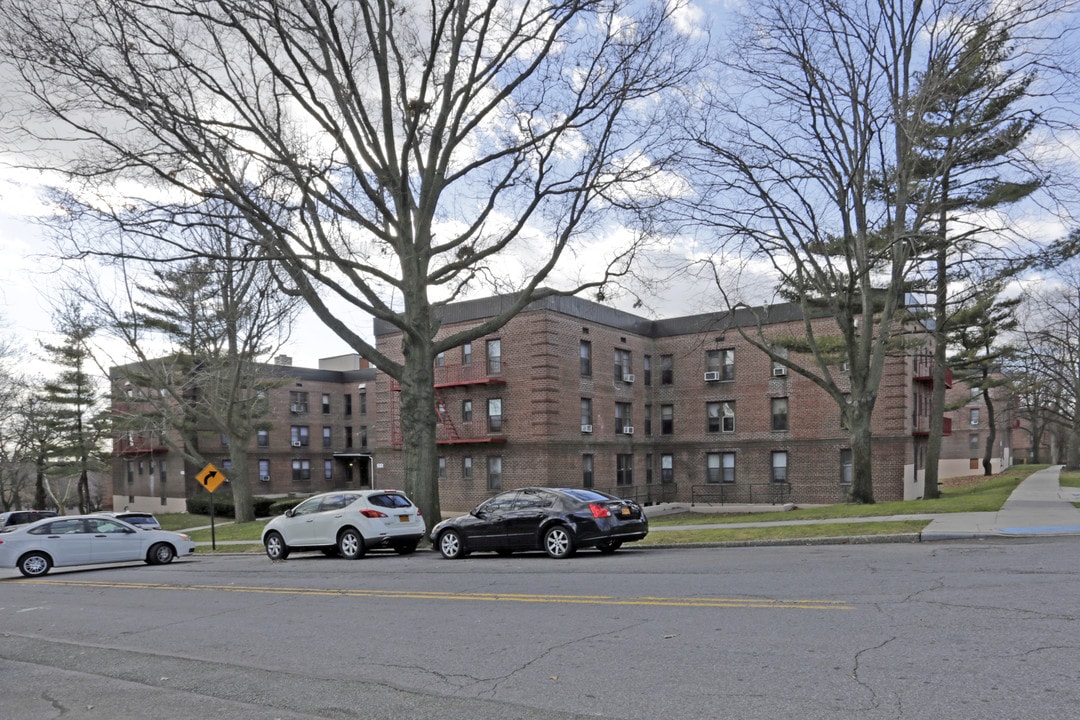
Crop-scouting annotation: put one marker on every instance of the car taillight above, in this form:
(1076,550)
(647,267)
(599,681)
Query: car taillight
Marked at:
(373,514)
(419,511)
(599,511)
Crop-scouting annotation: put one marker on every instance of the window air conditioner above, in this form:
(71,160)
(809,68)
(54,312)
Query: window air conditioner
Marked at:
(779,371)
(712,377)
(264,478)
(294,408)
(296,443)
(628,430)
(628,378)
(586,428)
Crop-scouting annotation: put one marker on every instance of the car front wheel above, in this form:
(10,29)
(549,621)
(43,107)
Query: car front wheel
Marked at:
(350,544)
(160,554)
(558,542)
(34,564)
(276,549)
(452,545)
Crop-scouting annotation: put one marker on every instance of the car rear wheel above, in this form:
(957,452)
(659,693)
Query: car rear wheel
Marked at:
(452,545)
(276,548)
(558,542)
(34,564)
(350,544)
(609,546)
(160,554)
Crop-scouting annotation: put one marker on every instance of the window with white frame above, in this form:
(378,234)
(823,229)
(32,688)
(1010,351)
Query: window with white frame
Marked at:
(779,413)
(780,466)
(587,471)
(667,468)
(495,414)
(624,469)
(494,472)
(494,357)
(623,419)
(301,470)
(623,367)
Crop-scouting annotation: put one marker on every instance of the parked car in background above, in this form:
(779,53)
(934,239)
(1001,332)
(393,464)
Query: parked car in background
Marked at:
(141,520)
(15,518)
(346,523)
(558,521)
(87,540)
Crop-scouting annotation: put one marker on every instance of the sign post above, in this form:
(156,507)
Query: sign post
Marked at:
(210,478)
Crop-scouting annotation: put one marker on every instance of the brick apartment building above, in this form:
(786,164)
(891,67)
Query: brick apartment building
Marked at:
(571,392)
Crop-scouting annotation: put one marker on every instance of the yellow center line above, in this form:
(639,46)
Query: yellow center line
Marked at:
(705,602)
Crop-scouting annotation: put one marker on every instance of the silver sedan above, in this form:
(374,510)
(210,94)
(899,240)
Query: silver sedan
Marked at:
(87,540)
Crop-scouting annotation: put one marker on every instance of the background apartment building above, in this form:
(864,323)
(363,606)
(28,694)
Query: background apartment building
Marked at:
(570,393)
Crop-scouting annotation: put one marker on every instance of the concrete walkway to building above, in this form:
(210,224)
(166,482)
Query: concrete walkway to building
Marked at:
(1038,506)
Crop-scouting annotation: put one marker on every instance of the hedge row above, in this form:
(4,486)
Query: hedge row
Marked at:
(224,507)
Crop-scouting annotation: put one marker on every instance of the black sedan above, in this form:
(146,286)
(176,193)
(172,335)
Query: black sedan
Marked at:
(555,520)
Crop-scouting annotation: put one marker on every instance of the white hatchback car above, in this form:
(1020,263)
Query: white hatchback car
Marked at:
(87,540)
(346,523)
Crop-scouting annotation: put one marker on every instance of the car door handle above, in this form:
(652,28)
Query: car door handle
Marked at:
(104,536)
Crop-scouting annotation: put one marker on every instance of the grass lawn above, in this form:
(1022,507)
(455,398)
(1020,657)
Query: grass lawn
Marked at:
(783,532)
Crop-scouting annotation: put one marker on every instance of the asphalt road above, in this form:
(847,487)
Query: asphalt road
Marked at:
(952,630)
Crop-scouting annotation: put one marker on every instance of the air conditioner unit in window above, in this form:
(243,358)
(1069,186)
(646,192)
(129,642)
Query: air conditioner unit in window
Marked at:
(264,478)
(779,371)
(586,428)
(628,430)
(712,377)
(628,378)
(296,443)
(294,408)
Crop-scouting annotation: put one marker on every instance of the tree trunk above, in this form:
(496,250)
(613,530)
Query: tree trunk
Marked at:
(931,489)
(241,483)
(991,419)
(421,457)
(862,486)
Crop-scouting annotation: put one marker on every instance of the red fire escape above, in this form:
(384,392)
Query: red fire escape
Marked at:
(923,381)
(446,379)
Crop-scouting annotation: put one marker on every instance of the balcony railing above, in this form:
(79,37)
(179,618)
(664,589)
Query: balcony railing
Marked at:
(921,425)
(472,374)
(923,370)
(771,493)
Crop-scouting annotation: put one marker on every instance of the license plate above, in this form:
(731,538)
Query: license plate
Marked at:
(403,518)
(625,512)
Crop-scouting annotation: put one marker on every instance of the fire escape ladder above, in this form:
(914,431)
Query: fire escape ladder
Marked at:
(444,417)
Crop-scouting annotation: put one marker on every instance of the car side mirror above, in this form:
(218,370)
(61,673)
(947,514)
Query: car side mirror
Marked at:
(290,512)
(477,513)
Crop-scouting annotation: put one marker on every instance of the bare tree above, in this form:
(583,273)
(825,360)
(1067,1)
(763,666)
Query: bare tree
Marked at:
(812,169)
(386,156)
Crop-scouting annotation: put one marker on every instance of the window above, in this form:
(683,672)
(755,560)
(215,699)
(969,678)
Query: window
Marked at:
(648,419)
(348,436)
(494,357)
(326,403)
(667,419)
(494,472)
(586,358)
(442,467)
(298,402)
(586,412)
(163,467)
(264,470)
(298,434)
(648,469)
(845,467)
(262,438)
(466,468)
(495,415)
(623,419)
(440,360)
(722,362)
(466,410)
(779,414)
(363,437)
(224,443)
(624,469)
(973,417)
(646,369)
(328,470)
(301,470)
(974,441)
(587,477)
(667,469)
(779,466)
(667,369)
(720,416)
(779,369)
(348,404)
(363,402)
(466,354)
(623,367)
(327,436)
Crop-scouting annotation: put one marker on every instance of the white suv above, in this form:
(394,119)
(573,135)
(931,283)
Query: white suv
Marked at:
(346,523)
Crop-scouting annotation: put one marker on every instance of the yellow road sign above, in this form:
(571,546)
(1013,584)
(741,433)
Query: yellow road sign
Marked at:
(210,477)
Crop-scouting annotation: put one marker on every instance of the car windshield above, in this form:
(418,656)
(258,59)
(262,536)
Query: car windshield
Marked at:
(389,500)
(587,495)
